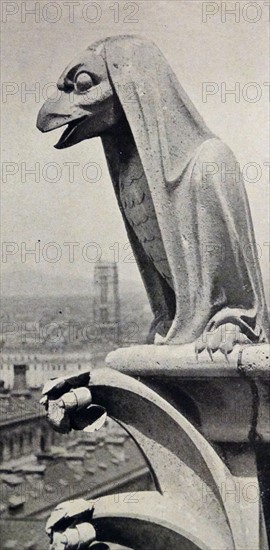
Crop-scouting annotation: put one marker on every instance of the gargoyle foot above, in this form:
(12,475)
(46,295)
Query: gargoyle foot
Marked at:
(222,338)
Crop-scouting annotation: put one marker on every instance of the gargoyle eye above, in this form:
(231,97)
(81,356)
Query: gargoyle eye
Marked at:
(83,82)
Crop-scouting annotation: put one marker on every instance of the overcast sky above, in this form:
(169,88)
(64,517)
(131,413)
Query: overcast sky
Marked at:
(34,53)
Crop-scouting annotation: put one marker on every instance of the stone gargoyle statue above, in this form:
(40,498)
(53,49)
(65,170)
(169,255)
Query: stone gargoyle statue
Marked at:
(189,226)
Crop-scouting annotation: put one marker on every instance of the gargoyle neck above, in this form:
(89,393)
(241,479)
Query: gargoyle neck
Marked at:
(120,150)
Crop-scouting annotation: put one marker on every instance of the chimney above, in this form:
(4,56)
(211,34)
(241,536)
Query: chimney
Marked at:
(20,387)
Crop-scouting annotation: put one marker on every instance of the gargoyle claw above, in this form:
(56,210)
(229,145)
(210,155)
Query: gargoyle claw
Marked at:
(223,339)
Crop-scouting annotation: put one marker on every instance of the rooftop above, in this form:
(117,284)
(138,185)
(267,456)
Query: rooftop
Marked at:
(14,408)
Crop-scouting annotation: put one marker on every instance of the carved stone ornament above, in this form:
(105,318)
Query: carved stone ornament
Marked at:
(189,228)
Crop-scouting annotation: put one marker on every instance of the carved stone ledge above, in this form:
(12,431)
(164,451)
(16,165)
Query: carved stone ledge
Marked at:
(177,360)
(228,400)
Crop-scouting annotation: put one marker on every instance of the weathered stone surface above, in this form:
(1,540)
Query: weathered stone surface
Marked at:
(189,228)
(190,477)
(183,361)
(228,399)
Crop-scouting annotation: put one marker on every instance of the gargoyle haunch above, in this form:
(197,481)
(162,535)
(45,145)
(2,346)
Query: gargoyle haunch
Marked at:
(190,231)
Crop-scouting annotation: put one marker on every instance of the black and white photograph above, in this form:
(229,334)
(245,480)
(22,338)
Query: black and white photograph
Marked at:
(134,275)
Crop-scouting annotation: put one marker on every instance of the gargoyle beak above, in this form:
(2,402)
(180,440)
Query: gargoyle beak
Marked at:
(62,111)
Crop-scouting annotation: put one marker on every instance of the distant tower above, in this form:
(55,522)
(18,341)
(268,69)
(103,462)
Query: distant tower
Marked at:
(20,385)
(106,295)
